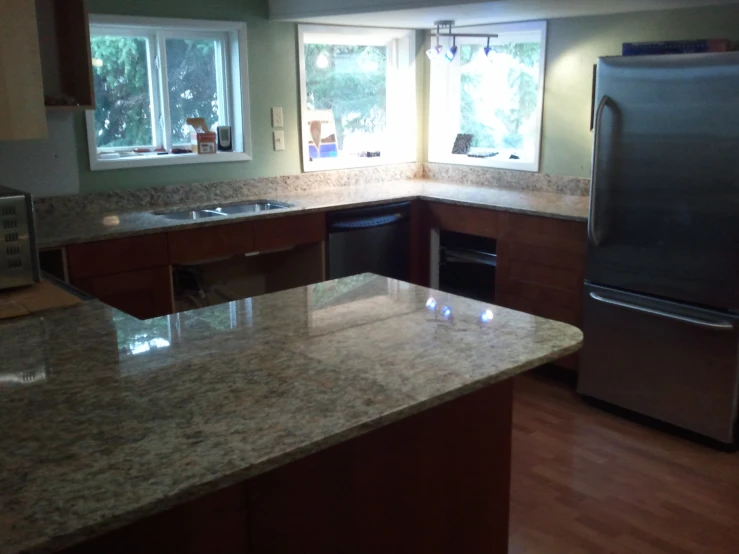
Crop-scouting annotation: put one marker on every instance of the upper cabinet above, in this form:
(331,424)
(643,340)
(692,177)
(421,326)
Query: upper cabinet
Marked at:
(64,37)
(44,63)
(21,91)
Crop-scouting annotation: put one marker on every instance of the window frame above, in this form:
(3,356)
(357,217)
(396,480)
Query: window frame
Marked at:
(401,81)
(444,99)
(232,82)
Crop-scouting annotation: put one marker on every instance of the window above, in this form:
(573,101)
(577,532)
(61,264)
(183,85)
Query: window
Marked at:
(151,75)
(358,96)
(496,98)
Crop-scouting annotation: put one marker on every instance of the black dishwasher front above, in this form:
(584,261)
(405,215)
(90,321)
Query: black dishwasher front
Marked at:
(375,239)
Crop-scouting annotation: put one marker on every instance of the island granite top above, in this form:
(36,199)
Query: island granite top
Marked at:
(107,419)
(63,227)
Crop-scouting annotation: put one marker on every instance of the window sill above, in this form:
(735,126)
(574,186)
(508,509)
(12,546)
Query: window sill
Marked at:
(168,159)
(497,163)
(331,164)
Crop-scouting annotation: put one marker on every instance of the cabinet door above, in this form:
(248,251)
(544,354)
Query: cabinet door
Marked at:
(541,269)
(21,87)
(144,293)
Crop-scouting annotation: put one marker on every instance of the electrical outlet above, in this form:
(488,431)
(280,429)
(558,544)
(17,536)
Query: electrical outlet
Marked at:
(277,117)
(278,138)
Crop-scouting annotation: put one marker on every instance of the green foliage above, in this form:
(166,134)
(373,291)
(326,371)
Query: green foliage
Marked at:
(121,78)
(193,88)
(122,113)
(511,118)
(353,85)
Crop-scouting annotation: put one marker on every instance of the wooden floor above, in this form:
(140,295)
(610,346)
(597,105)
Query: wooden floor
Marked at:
(587,481)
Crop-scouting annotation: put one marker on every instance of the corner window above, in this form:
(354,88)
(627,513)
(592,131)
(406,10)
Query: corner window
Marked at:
(151,75)
(358,96)
(485,106)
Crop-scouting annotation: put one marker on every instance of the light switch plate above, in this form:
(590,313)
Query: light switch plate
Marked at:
(278,137)
(277,117)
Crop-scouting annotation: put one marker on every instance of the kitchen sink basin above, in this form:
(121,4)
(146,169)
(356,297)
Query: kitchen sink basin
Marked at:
(252,207)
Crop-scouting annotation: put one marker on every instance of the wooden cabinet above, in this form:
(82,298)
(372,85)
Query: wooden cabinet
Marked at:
(132,274)
(143,293)
(66,61)
(283,232)
(540,260)
(541,268)
(21,90)
(463,219)
(209,243)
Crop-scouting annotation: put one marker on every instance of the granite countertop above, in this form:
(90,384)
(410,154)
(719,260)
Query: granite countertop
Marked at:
(64,227)
(107,419)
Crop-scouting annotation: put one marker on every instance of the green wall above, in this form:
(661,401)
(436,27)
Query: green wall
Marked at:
(272,82)
(575,44)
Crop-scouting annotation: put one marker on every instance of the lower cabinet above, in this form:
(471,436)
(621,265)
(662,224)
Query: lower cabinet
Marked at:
(143,293)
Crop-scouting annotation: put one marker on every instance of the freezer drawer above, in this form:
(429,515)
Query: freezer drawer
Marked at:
(666,360)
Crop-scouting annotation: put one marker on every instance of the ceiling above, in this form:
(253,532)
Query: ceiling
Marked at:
(503,11)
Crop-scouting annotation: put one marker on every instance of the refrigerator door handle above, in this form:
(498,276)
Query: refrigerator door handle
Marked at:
(715,325)
(592,235)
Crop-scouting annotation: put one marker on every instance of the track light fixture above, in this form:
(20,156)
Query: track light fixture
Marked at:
(449,55)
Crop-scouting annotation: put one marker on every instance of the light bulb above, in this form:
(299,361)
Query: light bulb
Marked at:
(434,52)
(489,53)
(449,54)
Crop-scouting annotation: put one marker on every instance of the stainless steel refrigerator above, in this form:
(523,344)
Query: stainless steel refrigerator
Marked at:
(661,311)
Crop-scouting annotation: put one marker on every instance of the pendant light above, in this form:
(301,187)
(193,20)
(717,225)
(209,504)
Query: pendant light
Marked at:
(435,52)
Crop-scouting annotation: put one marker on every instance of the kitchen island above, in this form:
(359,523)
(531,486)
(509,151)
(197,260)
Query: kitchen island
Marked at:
(357,415)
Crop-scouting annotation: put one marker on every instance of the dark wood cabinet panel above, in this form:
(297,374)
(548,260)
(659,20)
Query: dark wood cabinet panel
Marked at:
(420,250)
(209,243)
(558,234)
(117,255)
(463,219)
(541,269)
(214,524)
(432,483)
(289,230)
(144,293)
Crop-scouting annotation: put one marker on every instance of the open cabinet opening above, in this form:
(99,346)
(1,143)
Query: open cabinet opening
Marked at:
(214,282)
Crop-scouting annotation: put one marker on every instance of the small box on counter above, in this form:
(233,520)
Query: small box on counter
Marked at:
(202,141)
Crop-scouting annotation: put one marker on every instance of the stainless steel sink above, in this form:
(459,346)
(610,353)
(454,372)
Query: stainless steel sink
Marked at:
(254,206)
(193,214)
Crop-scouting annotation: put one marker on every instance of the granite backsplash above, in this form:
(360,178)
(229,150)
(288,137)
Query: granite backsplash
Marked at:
(195,194)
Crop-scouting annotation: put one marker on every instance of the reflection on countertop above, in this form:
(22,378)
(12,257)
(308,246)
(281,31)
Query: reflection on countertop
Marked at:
(134,416)
(67,227)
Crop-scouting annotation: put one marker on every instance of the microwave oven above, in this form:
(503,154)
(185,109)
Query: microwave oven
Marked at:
(19,263)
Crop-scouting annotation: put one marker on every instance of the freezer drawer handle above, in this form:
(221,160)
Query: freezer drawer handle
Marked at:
(716,325)
(596,152)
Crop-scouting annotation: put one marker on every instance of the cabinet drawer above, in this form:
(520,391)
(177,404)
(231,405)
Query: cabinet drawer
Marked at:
(208,243)
(144,293)
(290,230)
(559,234)
(461,219)
(116,256)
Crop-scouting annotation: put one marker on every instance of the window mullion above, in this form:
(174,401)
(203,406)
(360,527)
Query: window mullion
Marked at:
(166,123)
(156,111)
(222,85)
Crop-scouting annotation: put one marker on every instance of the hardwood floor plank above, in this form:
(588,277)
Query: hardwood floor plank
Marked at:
(587,481)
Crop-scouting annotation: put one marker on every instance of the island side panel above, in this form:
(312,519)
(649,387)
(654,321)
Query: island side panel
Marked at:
(437,482)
